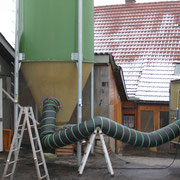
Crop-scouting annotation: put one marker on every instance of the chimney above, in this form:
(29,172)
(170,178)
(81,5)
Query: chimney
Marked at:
(130,1)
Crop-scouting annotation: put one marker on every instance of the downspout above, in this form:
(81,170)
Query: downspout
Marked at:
(80,59)
(92,92)
(92,99)
(16,66)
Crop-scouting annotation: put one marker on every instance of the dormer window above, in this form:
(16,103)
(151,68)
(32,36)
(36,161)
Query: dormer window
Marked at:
(177,69)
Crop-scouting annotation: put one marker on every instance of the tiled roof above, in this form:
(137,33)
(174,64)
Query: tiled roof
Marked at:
(145,41)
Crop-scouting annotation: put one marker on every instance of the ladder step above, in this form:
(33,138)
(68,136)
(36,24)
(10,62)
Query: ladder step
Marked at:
(44,176)
(38,151)
(12,162)
(16,149)
(35,138)
(40,163)
(9,174)
(19,137)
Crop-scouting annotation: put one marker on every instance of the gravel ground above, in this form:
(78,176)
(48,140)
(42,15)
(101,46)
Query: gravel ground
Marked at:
(134,164)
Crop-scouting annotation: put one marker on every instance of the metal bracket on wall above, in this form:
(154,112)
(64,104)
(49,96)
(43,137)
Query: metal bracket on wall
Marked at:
(74,57)
(87,151)
(21,57)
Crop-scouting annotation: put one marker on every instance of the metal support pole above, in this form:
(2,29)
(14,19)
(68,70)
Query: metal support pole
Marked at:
(92,92)
(92,100)
(80,59)
(16,66)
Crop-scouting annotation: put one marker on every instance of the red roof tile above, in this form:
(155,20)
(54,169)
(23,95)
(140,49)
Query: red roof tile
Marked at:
(145,41)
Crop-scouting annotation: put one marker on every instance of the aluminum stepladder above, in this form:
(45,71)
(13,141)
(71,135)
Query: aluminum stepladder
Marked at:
(25,116)
(88,149)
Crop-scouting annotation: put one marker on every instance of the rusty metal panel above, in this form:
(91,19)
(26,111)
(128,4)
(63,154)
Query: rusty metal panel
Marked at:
(56,79)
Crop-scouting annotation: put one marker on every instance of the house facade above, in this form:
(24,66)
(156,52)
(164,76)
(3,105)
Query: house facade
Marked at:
(6,69)
(144,40)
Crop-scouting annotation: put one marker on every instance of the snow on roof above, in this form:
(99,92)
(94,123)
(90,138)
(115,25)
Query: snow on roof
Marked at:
(145,41)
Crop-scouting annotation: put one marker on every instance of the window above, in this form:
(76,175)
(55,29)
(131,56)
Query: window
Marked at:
(163,119)
(128,120)
(147,121)
(177,69)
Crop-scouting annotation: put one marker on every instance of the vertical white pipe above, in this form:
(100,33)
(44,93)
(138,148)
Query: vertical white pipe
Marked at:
(16,65)
(92,92)
(92,100)
(80,59)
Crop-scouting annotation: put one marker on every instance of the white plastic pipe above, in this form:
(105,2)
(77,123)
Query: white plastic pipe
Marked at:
(16,70)
(92,100)
(16,66)
(80,59)
(92,92)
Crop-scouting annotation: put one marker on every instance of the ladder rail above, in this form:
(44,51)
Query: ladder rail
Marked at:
(12,145)
(16,153)
(39,146)
(32,144)
(39,143)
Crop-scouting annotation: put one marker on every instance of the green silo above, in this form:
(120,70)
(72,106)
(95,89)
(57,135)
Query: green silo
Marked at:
(48,37)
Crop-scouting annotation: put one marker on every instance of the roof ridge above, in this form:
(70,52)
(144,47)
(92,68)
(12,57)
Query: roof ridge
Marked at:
(137,4)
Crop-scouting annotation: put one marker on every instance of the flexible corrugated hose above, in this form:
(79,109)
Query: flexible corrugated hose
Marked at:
(52,139)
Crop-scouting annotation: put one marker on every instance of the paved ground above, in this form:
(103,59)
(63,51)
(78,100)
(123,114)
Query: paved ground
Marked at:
(134,164)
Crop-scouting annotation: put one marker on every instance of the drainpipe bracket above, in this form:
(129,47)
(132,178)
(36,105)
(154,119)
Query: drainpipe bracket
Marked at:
(74,56)
(21,56)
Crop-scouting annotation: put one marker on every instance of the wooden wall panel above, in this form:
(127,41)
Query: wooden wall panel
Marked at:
(116,107)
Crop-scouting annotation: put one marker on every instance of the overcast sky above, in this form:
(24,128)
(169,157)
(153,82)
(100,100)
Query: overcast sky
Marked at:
(7,18)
